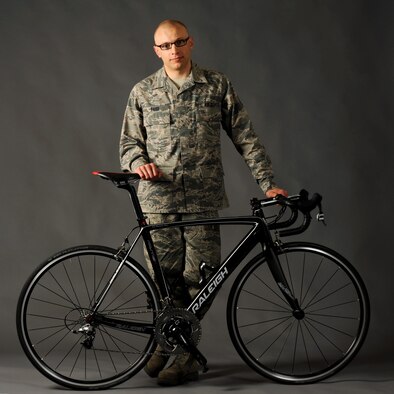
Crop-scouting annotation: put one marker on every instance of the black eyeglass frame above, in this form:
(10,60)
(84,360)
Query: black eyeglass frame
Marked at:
(180,42)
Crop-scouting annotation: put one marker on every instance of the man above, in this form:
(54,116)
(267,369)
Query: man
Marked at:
(171,138)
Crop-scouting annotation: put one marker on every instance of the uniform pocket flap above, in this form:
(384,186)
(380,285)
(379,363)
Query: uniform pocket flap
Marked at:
(156,116)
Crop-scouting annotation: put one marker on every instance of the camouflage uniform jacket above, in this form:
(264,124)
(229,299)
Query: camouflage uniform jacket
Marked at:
(179,131)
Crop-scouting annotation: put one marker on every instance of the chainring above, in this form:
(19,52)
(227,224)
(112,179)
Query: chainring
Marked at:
(171,317)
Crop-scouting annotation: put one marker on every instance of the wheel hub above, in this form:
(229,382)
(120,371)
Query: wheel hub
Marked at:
(299,314)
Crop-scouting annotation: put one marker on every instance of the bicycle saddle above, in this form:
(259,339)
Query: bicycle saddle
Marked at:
(118,178)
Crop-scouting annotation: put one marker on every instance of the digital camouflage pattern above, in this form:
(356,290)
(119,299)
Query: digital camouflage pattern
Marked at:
(181,250)
(179,131)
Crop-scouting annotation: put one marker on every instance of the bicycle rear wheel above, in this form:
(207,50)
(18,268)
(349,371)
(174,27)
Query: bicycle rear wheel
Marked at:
(307,347)
(55,303)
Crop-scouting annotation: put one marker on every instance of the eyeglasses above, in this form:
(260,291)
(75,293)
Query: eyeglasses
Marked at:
(181,42)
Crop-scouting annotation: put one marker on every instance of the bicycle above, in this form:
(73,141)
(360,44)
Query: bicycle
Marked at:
(90,317)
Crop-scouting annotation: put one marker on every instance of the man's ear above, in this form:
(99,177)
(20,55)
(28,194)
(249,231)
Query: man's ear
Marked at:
(157,51)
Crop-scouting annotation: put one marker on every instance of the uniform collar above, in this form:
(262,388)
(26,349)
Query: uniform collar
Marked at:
(197,76)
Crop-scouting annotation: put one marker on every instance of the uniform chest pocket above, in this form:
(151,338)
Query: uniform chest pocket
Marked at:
(157,116)
(209,111)
(158,131)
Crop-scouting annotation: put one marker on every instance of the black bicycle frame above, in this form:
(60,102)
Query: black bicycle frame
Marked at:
(258,234)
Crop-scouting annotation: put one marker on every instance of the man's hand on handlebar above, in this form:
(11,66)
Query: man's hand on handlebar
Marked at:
(271,193)
(149,172)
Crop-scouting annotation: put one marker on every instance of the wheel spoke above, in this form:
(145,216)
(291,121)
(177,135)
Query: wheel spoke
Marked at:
(295,348)
(330,327)
(275,340)
(57,294)
(316,344)
(267,300)
(50,336)
(283,320)
(67,354)
(272,290)
(289,275)
(57,344)
(302,277)
(125,302)
(111,337)
(284,343)
(329,295)
(334,306)
(311,282)
(321,289)
(305,349)
(51,303)
(101,280)
(263,322)
(61,287)
(108,351)
(321,333)
(261,310)
(76,360)
(84,281)
(71,284)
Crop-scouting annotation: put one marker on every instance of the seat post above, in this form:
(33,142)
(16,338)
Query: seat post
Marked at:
(136,203)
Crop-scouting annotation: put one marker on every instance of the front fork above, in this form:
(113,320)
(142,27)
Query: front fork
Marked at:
(280,278)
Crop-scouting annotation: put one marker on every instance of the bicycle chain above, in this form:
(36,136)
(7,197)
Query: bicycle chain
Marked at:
(134,313)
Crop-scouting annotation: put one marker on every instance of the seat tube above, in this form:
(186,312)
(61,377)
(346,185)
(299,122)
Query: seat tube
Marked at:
(158,272)
(159,276)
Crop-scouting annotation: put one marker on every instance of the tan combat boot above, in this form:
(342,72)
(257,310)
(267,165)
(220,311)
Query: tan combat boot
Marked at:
(156,363)
(183,369)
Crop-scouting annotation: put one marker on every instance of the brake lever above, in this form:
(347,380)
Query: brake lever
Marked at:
(320,216)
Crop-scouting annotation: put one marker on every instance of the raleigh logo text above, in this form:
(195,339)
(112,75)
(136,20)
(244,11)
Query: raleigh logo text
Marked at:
(211,288)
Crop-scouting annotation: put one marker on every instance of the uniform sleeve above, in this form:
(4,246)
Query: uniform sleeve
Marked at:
(133,136)
(238,126)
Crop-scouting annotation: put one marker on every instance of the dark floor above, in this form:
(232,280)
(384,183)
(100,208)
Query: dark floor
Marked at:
(17,376)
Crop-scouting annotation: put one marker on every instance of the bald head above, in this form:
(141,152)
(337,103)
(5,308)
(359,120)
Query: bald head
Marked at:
(169,24)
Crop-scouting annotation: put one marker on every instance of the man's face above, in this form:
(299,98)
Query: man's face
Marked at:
(175,59)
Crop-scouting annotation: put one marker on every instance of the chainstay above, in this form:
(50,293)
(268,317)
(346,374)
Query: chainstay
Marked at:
(119,351)
(132,313)
(157,312)
(128,352)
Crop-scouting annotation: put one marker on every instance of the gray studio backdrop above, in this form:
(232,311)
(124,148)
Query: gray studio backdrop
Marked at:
(316,77)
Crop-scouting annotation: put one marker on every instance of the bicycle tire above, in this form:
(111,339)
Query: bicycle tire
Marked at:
(299,349)
(54,303)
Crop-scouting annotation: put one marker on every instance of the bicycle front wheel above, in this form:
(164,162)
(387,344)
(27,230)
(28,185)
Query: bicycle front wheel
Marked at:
(308,346)
(56,329)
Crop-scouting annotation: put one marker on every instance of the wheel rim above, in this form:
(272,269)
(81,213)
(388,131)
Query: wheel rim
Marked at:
(57,306)
(316,341)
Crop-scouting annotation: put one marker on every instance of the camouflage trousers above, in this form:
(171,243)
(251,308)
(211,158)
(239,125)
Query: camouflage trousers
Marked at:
(180,251)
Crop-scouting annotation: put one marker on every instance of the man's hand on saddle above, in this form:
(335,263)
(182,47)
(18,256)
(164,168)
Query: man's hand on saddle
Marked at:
(271,193)
(148,172)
